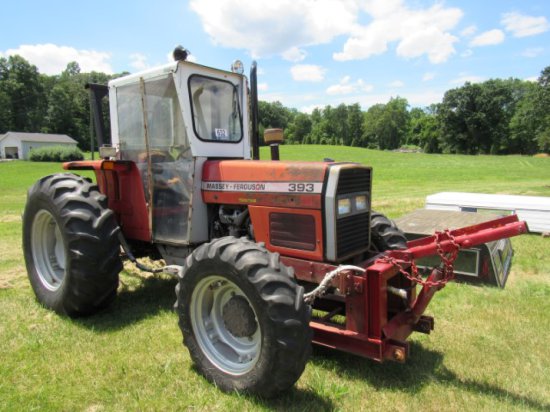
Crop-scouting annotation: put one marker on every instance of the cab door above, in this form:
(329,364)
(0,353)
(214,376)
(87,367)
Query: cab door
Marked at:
(153,134)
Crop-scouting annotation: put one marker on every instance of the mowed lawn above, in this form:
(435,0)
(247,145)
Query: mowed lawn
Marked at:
(489,350)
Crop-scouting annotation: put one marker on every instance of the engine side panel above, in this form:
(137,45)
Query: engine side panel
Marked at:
(298,234)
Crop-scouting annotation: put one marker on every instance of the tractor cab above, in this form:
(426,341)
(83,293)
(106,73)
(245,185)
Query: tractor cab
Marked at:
(168,121)
(183,110)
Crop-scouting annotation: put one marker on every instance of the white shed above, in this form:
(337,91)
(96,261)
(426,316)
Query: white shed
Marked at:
(535,210)
(16,145)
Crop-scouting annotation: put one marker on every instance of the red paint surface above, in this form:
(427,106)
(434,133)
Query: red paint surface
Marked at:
(121,182)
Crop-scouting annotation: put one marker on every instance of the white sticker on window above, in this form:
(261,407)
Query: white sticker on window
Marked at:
(222,134)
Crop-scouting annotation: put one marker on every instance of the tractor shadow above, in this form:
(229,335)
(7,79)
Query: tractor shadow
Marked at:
(423,366)
(139,297)
(296,399)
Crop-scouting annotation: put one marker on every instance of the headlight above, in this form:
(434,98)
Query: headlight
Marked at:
(344,206)
(361,202)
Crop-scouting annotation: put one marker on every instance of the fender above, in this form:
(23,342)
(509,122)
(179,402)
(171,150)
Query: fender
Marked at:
(120,181)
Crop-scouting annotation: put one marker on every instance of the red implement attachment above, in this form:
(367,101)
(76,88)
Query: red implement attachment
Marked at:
(382,307)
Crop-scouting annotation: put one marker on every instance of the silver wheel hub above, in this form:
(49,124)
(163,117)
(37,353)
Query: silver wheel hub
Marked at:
(48,250)
(225,325)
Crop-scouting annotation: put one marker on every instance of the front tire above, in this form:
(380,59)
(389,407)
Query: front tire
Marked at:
(70,245)
(385,235)
(243,317)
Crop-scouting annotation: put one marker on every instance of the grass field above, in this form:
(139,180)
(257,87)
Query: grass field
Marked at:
(489,350)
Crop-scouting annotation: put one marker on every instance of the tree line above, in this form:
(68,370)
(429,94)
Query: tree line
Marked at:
(498,116)
(38,103)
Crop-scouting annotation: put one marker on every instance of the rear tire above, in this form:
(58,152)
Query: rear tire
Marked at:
(243,317)
(385,235)
(70,245)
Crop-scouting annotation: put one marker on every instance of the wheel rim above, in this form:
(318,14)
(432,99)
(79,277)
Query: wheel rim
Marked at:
(48,250)
(232,354)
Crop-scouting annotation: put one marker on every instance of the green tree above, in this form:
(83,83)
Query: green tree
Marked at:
(424,129)
(299,128)
(355,124)
(371,125)
(542,110)
(21,95)
(476,118)
(525,122)
(340,124)
(386,124)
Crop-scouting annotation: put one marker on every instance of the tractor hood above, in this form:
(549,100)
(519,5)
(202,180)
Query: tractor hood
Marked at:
(266,183)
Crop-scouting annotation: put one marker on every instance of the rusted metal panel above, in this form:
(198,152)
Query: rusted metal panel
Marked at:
(264,171)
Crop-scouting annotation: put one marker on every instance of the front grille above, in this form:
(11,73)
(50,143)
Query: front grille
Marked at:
(354,180)
(353,231)
(352,234)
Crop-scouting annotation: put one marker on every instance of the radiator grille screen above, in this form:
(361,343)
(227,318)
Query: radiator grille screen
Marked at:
(292,230)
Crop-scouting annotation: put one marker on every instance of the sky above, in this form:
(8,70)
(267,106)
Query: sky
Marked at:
(310,53)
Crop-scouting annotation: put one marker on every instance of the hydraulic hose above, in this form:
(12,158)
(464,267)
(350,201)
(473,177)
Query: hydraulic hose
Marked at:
(132,258)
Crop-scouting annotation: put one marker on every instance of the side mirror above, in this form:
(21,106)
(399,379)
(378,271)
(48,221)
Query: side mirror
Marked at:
(274,137)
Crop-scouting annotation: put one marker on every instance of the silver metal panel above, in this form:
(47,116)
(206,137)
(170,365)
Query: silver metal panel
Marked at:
(330,213)
(198,214)
(535,210)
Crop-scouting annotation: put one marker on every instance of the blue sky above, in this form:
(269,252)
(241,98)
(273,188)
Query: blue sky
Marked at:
(310,52)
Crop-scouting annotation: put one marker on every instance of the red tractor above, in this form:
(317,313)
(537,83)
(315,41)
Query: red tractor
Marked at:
(270,255)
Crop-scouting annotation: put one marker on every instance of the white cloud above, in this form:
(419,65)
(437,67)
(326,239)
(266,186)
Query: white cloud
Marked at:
(521,25)
(468,31)
(308,102)
(347,87)
(263,87)
(191,58)
(488,38)
(294,54)
(138,61)
(307,73)
(267,27)
(428,76)
(311,108)
(52,59)
(532,52)
(396,84)
(532,79)
(415,99)
(417,32)
(464,77)
(272,97)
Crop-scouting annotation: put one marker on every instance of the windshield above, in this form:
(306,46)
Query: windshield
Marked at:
(216,110)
